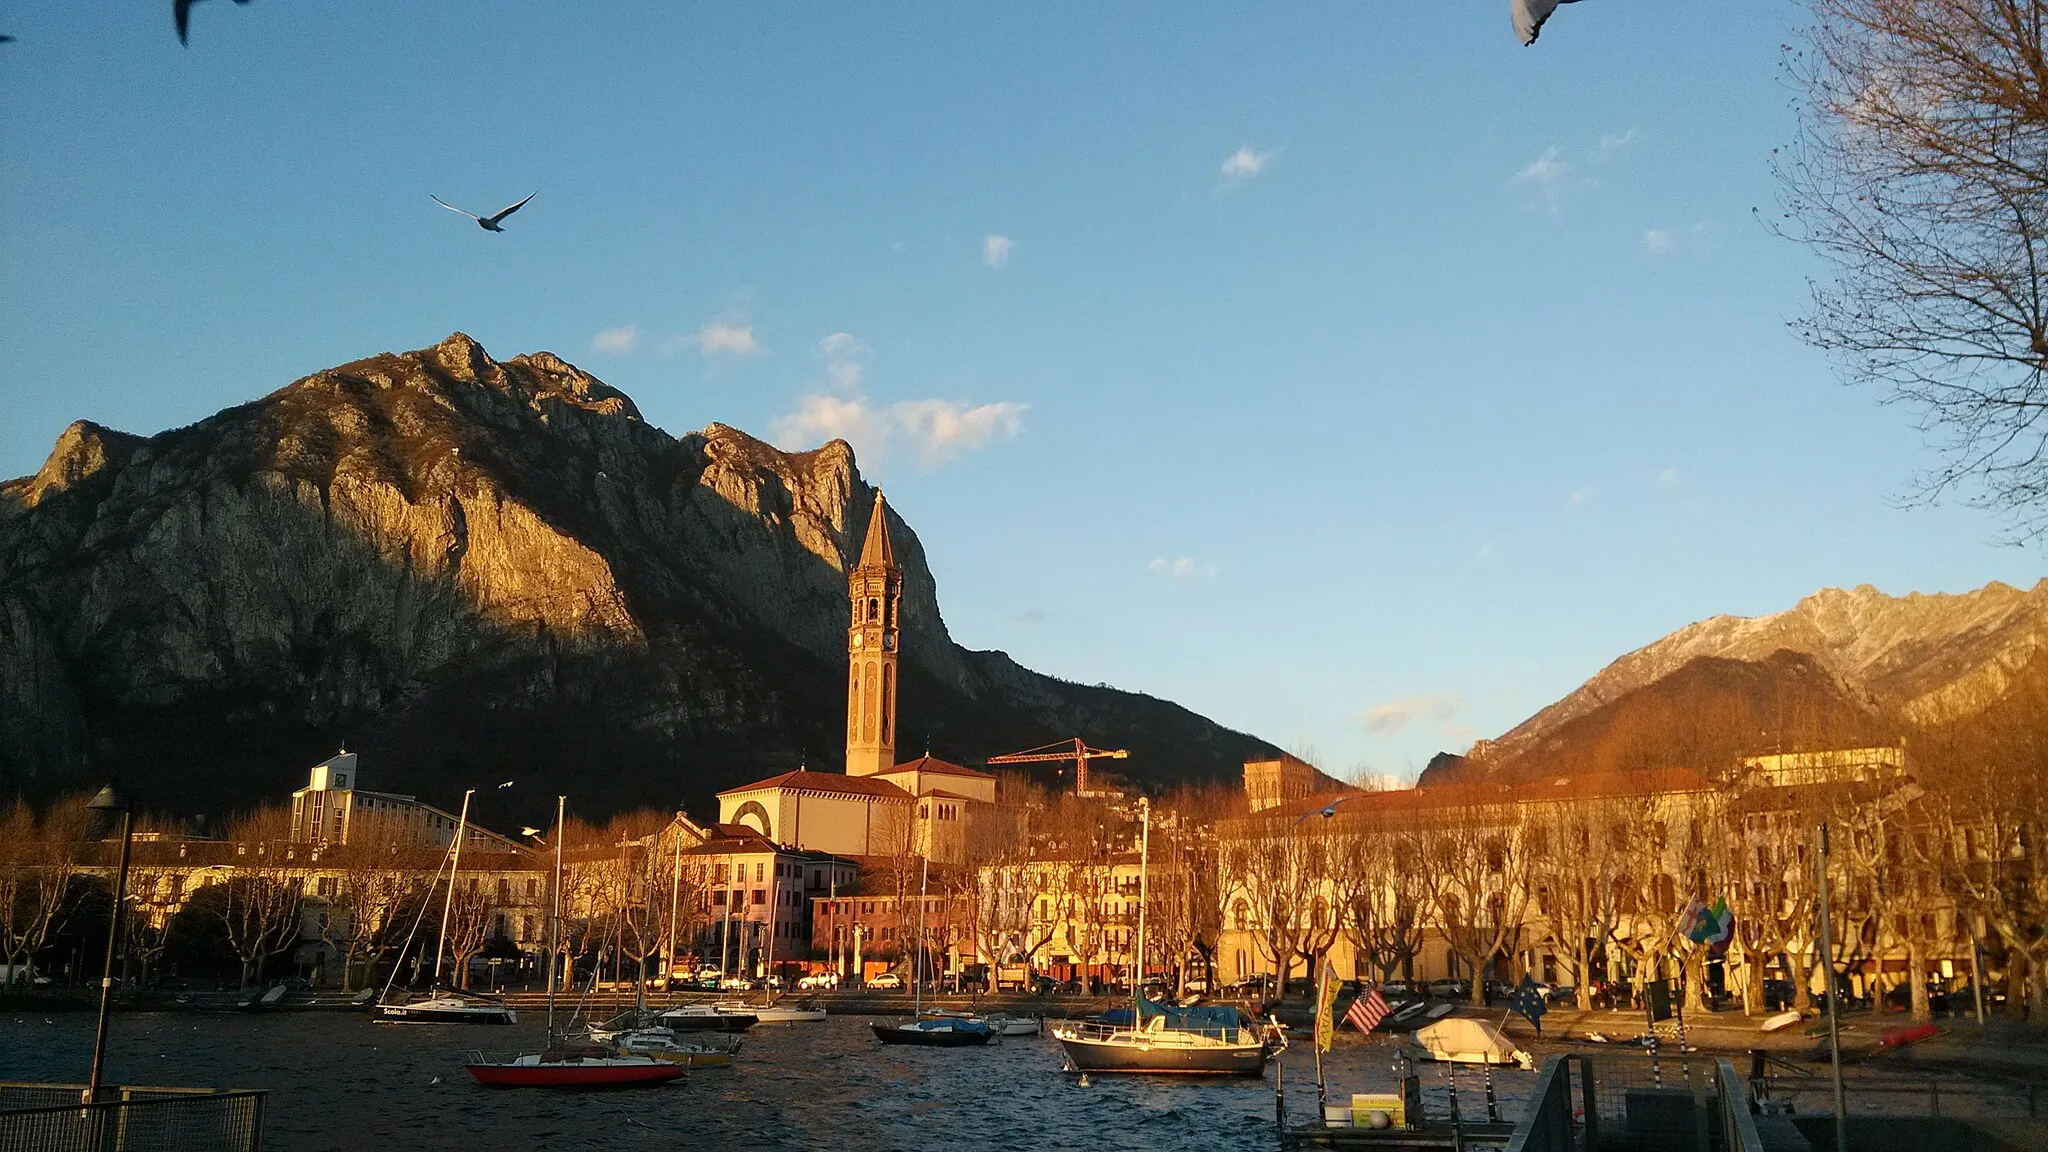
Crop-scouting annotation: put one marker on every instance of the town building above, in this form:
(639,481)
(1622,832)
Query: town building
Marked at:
(333,808)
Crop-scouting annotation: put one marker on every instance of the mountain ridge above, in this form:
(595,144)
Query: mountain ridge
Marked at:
(388,550)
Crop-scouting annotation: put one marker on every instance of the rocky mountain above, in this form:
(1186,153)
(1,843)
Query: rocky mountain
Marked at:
(471,571)
(1839,667)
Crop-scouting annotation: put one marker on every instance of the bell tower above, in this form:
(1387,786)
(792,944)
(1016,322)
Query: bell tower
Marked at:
(876,587)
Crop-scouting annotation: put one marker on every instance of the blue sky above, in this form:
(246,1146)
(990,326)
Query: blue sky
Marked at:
(1348,373)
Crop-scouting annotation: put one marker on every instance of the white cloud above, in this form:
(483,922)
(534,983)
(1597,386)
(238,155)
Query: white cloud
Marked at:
(1614,142)
(942,429)
(1668,478)
(1032,616)
(845,360)
(1546,170)
(821,418)
(1244,163)
(995,250)
(1396,714)
(617,340)
(1579,498)
(936,430)
(1183,567)
(719,336)
(1657,241)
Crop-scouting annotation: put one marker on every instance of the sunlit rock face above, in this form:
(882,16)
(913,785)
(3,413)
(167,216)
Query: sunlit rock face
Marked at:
(466,569)
(1840,667)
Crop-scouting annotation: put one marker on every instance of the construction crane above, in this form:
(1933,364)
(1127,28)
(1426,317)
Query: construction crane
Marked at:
(1063,750)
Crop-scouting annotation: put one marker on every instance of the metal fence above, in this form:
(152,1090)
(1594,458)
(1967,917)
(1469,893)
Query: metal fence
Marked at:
(49,1118)
(1612,1102)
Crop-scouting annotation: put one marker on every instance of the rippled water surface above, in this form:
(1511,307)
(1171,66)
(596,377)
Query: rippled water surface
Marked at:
(338,1081)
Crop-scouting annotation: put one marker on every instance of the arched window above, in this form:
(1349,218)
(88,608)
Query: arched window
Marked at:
(888,703)
(874,610)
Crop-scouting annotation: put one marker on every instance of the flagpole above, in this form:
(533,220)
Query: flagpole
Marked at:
(1322,1010)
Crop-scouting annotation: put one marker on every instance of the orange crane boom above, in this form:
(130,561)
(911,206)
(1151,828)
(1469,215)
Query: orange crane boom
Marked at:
(1063,750)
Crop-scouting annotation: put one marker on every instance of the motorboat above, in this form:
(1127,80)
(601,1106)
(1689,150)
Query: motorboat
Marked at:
(1463,1040)
(573,1068)
(446,1008)
(708,1018)
(1192,1041)
(1005,1025)
(665,1044)
(802,1012)
(936,1032)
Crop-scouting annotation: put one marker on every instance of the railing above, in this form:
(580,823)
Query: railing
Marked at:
(1611,1101)
(49,1118)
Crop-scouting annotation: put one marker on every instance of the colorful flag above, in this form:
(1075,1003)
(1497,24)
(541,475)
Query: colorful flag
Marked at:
(1326,1000)
(1367,1011)
(1528,1000)
(1709,926)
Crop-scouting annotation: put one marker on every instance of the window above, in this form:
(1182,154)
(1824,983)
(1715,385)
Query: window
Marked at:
(760,895)
(760,871)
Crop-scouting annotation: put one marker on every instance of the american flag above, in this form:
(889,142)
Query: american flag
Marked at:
(1367,1011)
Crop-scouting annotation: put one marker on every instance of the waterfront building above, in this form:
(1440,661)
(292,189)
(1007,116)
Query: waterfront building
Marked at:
(333,808)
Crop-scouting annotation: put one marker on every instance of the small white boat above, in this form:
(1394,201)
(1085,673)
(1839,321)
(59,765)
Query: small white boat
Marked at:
(799,1013)
(1005,1025)
(664,1044)
(446,1008)
(1463,1040)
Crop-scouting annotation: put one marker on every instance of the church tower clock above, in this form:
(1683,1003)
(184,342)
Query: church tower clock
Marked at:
(876,587)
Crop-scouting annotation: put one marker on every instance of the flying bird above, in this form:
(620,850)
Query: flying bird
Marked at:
(1329,811)
(5,39)
(530,831)
(508,783)
(1529,16)
(181,11)
(487,223)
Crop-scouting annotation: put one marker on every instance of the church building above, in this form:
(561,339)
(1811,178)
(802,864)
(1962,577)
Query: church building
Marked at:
(877,807)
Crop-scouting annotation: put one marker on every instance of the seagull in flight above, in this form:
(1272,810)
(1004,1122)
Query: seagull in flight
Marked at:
(487,223)
(508,783)
(1327,811)
(1529,16)
(181,11)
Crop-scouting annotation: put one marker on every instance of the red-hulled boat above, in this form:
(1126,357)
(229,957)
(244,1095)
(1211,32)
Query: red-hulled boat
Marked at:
(574,1068)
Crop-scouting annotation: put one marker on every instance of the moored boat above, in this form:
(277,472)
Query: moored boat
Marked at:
(707,1018)
(573,1068)
(803,1012)
(937,1032)
(1216,1044)
(1005,1025)
(664,1044)
(446,1008)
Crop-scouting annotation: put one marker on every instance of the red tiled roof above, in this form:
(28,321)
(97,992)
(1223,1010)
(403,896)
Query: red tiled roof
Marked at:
(938,767)
(827,782)
(945,795)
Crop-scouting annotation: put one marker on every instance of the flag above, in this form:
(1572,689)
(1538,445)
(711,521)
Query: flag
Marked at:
(1528,1000)
(1529,15)
(1710,926)
(1367,1011)
(1326,999)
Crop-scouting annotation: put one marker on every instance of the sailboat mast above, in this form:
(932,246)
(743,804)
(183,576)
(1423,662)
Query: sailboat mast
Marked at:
(555,916)
(774,912)
(917,966)
(675,897)
(448,901)
(1144,874)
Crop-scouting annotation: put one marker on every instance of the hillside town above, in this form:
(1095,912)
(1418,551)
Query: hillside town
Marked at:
(1596,886)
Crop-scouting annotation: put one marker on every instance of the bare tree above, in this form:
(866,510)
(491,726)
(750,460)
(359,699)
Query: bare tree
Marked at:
(38,856)
(1580,870)
(260,901)
(1478,861)
(1921,175)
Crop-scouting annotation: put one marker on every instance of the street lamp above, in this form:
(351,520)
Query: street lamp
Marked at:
(110,799)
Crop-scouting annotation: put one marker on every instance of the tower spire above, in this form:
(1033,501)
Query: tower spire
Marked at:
(875,587)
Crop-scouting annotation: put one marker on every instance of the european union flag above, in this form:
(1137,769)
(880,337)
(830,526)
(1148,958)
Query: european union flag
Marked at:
(1528,1000)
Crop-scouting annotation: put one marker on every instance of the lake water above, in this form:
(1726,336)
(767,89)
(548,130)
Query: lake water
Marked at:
(338,1081)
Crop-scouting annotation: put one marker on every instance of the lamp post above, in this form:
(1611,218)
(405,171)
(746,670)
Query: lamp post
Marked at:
(110,799)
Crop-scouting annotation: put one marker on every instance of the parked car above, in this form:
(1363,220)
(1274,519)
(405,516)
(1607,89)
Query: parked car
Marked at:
(886,982)
(734,984)
(1450,989)
(819,980)
(1403,990)
(1195,987)
(1561,993)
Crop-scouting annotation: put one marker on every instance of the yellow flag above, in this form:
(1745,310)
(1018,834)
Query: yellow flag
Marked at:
(1326,1004)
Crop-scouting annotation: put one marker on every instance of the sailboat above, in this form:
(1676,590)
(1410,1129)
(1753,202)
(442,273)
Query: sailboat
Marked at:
(1162,1038)
(445,1005)
(768,1011)
(947,1031)
(564,1067)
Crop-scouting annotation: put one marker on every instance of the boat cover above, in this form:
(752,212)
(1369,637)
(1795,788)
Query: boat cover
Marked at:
(1207,1019)
(1467,1040)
